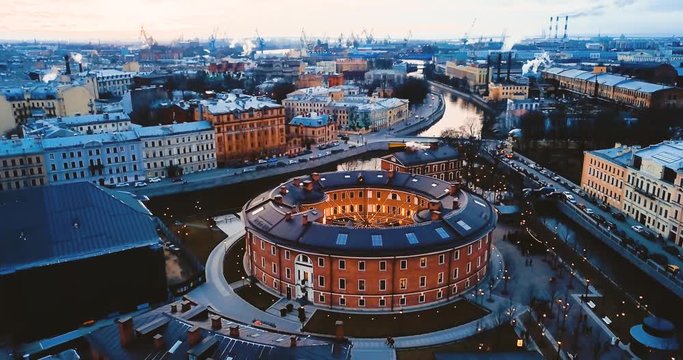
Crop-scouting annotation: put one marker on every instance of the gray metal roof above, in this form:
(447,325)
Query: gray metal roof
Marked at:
(58,223)
(424,156)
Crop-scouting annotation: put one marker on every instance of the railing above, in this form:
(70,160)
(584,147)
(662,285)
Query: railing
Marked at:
(198,278)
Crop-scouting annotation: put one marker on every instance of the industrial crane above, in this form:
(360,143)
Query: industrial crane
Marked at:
(465,37)
(260,42)
(369,38)
(408,37)
(146,40)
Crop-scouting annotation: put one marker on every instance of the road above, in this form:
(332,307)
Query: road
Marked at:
(547,178)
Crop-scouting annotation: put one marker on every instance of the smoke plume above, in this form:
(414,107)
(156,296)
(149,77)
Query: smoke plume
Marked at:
(78,58)
(52,75)
(533,65)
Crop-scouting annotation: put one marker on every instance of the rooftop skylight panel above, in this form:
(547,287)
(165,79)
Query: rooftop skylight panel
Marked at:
(442,232)
(412,239)
(479,203)
(376,240)
(463,225)
(257,210)
(341,239)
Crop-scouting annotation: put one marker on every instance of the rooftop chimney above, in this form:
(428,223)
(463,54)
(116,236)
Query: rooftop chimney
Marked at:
(296,181)
(278,199)
(391,173)
(436,215)
(235,331)
(216,322)
(339,330)
(185,305)
(308,185)
(288,216)
(456,204)
(453,189)
(509,64)
(174,308)
(433,146)
(126,334)
(315,176)
(500,59)
(434,205)
(158,341)
(304,219)
(283,190)
(68,64)
(292,341)
(194,335)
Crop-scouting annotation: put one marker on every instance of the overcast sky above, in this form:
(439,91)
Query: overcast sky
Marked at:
(170,19)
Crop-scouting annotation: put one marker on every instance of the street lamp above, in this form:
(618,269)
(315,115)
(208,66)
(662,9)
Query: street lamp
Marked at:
(559,349)
(585,293)
(571,279)
(506,278)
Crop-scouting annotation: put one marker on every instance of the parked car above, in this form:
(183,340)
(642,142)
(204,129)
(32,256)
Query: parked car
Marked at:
(154,179)
(245,170)
(604,207)
(619,216)
(177,179)
(588,211)
(637,228)
(303,160)
(262,161)
(119,185)
(293,161)
(140,184)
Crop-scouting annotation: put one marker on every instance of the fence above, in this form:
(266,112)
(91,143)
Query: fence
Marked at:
(199,276)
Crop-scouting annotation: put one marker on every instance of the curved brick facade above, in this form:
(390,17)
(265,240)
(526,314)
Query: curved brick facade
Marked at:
(372,279)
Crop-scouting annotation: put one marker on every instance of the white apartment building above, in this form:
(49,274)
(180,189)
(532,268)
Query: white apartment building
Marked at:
(113,81)
(190,146)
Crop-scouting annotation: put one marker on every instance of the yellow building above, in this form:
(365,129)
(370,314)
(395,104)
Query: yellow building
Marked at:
(604,174)
(44,101)
(474,73)
(345,65)
(512,91)
(21,164)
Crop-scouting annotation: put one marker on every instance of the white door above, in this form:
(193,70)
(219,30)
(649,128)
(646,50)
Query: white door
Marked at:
(303,267)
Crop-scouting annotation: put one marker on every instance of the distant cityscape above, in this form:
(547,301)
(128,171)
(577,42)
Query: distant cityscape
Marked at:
(343,198)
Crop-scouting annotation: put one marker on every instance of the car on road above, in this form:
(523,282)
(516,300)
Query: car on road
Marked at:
(177,179)
(637,228)
(619,216)
(154,179)
(262,161)
(303,160)
(604,207)
(119,185)
(293,161)
(140,184)
(245,170)
(555,178)
(588,211)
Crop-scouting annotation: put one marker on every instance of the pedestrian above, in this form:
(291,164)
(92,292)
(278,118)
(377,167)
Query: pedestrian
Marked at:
(531,262)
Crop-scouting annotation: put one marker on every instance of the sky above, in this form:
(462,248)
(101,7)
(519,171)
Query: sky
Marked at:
(167,20)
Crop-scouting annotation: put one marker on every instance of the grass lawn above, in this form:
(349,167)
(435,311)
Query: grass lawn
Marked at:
(500,339)
(396,324)
(256,296)
(233,268)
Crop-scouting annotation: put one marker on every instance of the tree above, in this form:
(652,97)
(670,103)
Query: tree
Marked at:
(280,91)
(415,90)
(174,171)
(533,125)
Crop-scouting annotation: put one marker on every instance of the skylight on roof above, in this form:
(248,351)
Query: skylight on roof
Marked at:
(433,184)
(257,210)
(347,176)
(322,179)
(341,239)
(412,239)
(479,203)
(442,232)
(380,175)
(376,240)
(463,225)
(414,180)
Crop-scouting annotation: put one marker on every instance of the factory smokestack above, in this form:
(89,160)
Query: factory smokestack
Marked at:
(488,71)
(500,55)
(557,21)
(509,64)
(566,19)
(68,65)
(550,28)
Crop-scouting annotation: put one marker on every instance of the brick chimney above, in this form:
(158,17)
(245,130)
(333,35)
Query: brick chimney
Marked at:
(304,219)
(159,342)
(308,185)
(456,204)
(434,205)
(391,173)
(292,341)
(315,176)
(296,181)
(126,332)
(453,189)
(185,305)
(235,331)
(194,335)
(216,322)
(288,216)
(277,199)
(433,146)
(174,308)
(436,215)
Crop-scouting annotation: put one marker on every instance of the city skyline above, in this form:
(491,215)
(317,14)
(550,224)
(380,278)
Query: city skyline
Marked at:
(81,20)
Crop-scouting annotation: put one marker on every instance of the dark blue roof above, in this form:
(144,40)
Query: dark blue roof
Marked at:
(474,219)
(106,341)
(410,157)
(58,223)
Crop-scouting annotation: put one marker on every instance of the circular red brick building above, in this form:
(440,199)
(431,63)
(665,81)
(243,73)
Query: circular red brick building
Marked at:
(368,239)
